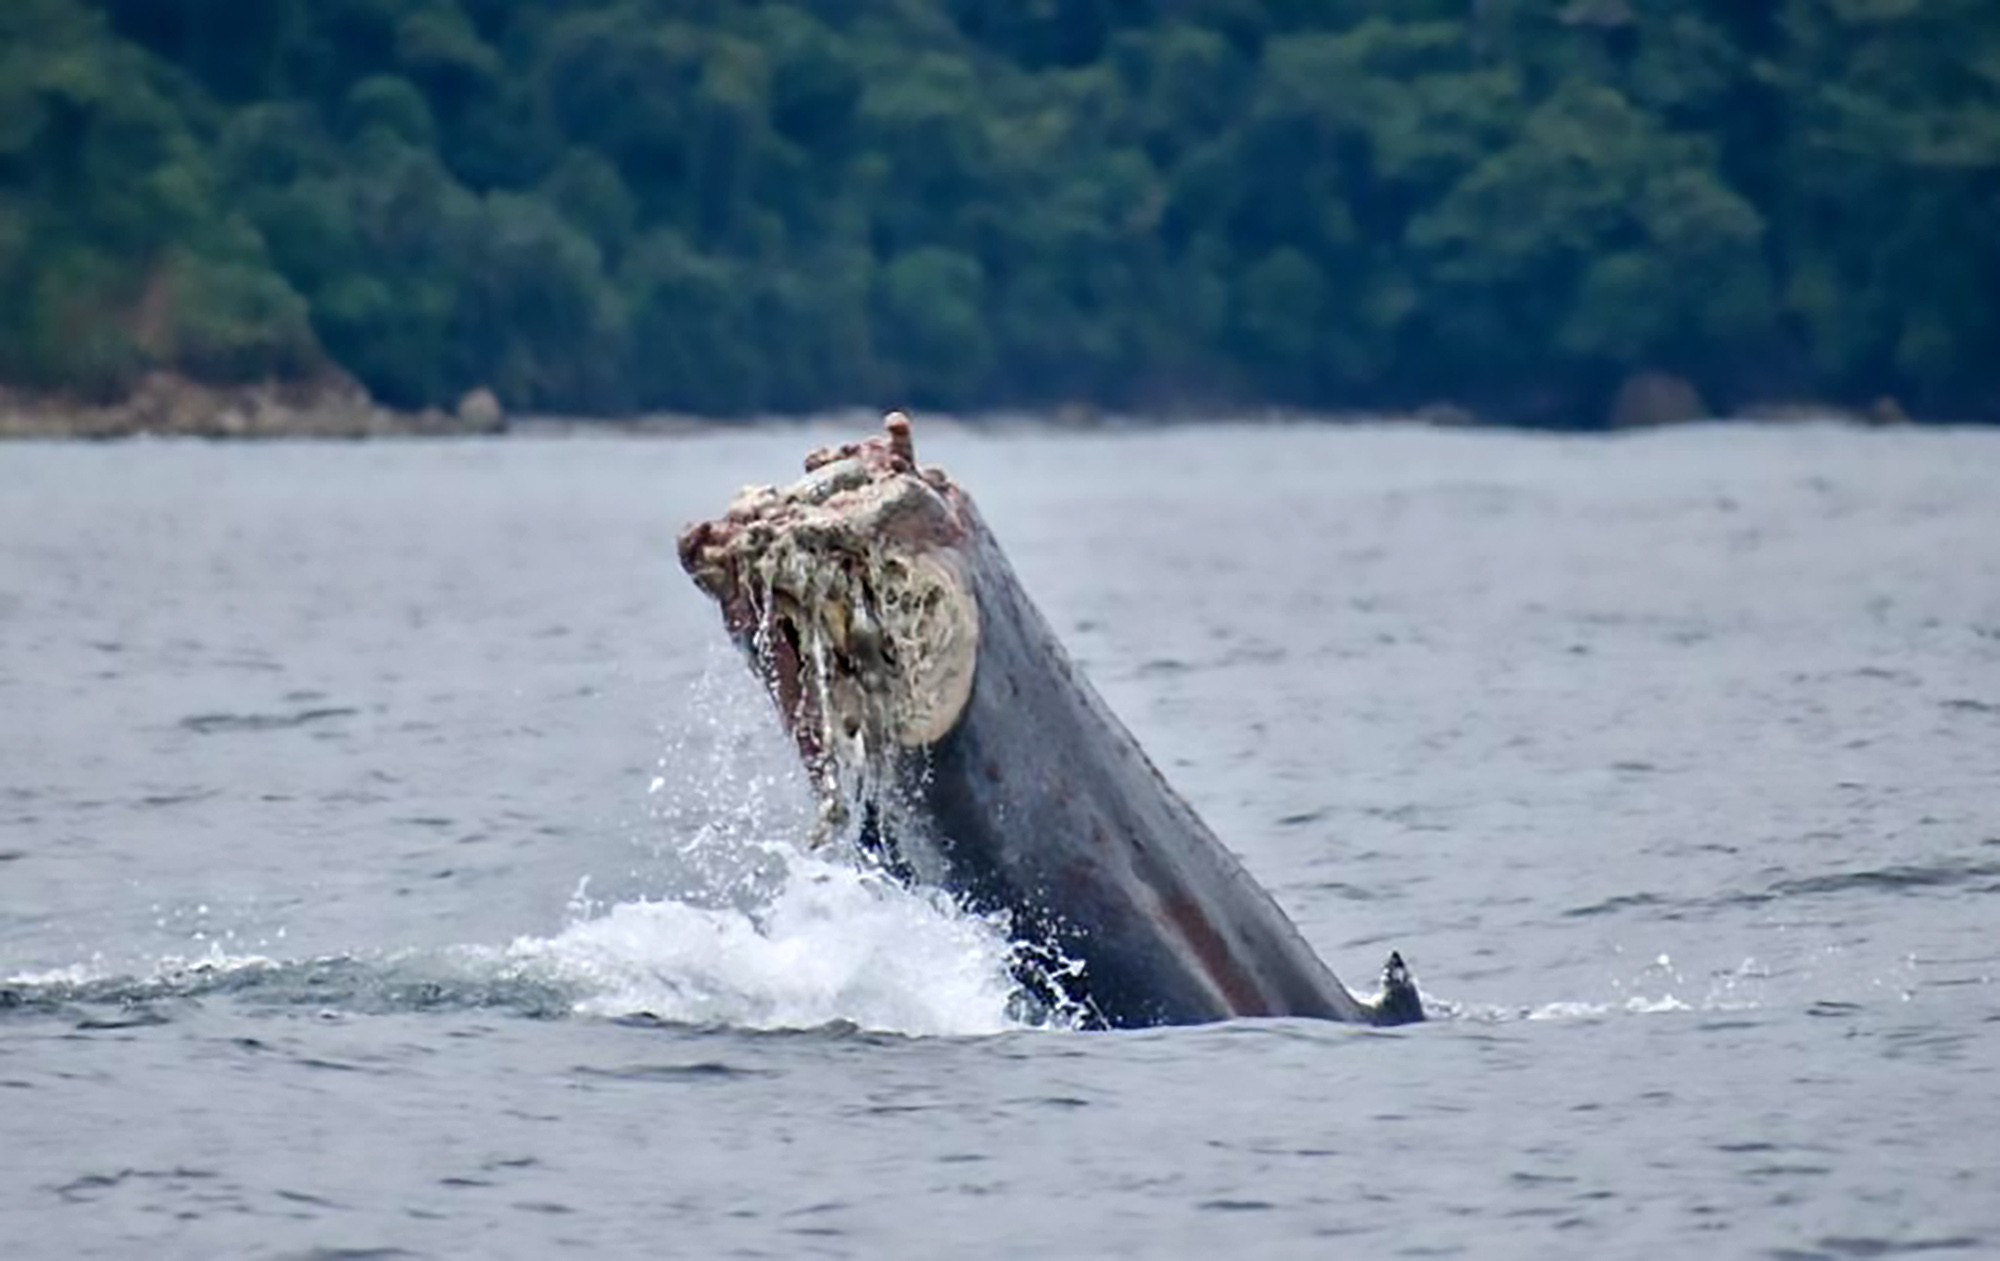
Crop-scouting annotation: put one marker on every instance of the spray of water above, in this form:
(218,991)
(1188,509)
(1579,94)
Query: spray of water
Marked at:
(834,945)
(749,929)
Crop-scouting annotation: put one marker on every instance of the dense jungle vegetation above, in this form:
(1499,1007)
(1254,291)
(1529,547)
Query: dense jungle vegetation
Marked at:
(732,206)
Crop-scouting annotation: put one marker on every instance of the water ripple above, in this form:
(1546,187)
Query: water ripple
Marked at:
(1842,1247)
(212,724)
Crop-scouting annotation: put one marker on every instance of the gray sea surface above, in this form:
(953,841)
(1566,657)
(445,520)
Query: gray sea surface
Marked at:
(396,861)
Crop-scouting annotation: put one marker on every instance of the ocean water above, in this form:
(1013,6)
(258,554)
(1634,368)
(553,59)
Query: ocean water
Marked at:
(395,860)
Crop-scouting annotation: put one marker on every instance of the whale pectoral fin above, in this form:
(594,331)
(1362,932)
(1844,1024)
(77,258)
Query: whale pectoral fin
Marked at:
(1399,1003)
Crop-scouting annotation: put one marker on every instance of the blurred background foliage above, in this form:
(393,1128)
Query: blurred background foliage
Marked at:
(732,206)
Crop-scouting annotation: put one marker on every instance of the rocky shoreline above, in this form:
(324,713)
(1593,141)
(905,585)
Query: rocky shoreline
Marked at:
(163,405)
(167,406)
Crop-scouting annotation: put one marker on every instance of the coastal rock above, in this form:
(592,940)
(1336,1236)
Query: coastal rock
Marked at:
(167,405)
(1887,411)
(1648,399)
(480,412)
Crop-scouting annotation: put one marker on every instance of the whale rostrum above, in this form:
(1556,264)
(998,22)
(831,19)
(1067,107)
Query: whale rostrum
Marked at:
(948,736)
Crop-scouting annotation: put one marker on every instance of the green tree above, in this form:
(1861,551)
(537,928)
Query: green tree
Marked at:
(929,316)
(534,317)
(730,207)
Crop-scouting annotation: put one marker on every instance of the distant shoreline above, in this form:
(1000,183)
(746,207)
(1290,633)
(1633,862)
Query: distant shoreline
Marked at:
(164,406)
(167,406)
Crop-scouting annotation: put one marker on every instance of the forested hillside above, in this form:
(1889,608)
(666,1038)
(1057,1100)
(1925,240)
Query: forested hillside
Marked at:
(730,206)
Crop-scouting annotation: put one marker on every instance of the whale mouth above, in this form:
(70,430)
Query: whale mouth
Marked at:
(846,593)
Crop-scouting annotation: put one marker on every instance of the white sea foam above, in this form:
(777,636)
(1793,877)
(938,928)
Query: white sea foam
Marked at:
(1571,1009)
(833,944)
(53,978)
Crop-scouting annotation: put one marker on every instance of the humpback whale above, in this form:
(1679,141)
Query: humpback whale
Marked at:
(951,739)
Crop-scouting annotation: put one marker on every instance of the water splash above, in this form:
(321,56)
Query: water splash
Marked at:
(726,803)
(834,944)
(743,926)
